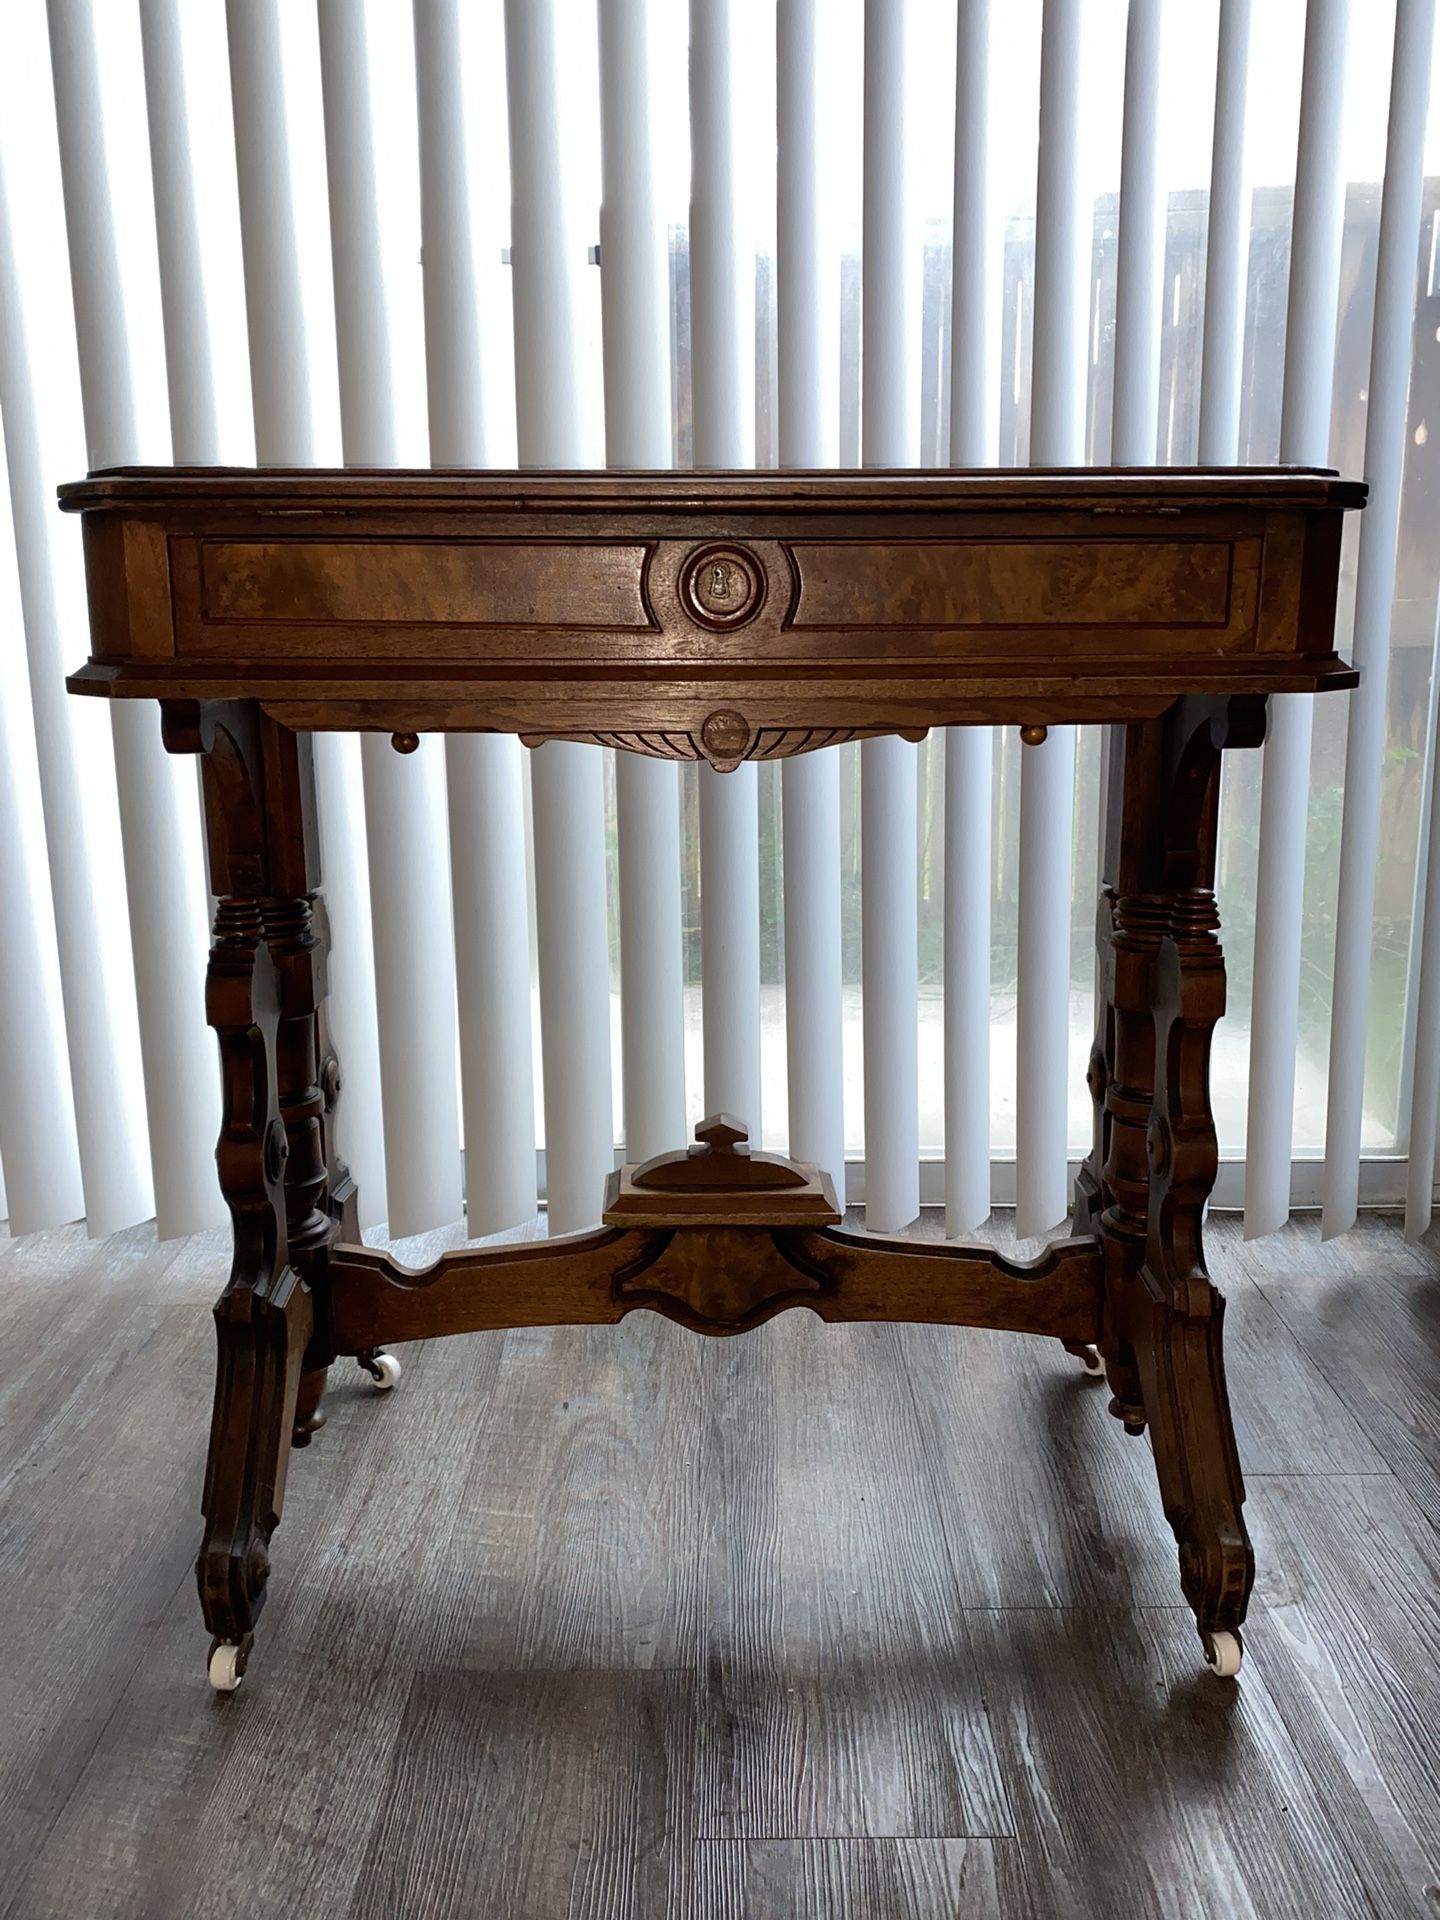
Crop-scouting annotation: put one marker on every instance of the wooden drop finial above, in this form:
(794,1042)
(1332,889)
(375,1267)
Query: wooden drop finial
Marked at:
(405,742)
(1033,736)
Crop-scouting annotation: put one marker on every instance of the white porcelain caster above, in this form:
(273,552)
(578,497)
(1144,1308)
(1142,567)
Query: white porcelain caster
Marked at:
(383,1369)
(1223,1654)
(226,1667)
(1091,1363)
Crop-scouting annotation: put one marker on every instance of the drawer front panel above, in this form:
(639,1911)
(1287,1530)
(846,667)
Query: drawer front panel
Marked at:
(424,583)
(759,601)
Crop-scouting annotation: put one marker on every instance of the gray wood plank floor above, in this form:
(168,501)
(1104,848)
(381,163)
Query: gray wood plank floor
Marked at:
(855,1623)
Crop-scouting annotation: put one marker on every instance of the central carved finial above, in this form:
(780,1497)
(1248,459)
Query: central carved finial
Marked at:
(721,1161)
(721,1180)
(721,1134)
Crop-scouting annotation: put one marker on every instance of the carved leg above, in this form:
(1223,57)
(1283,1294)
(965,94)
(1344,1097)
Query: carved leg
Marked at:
(299,958)
(263,1319)
(319,1192)
(1169,992)
(263,986)
(1114,1184)
(1089,1204)
(1090,1180)
(1179,1336)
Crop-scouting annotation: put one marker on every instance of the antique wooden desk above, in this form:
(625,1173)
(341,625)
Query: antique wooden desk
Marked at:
(722,617)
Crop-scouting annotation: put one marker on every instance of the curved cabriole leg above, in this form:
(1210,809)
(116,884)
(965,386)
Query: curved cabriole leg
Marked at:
(319,1193)
(1162,988)
(260,994)
(263,1320)
(1175,1314)
(299,957)
(1113,1186)
(1181,1344)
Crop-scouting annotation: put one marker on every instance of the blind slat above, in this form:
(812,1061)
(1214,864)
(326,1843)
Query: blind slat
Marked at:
(81,834)
(159,814)
(1047,771)
(969,751)
(567,785)
(890,435)
(484,773)
(1139,247)
(492,950)
(189,368)
(808,313)
(1425,1084)
(635,312)
(37,1116)
(1285,789)
(1385,418)
(1226,245)
(722,327)
(406,838)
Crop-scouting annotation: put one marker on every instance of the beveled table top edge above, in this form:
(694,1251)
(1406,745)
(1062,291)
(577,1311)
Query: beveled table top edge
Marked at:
(262,489)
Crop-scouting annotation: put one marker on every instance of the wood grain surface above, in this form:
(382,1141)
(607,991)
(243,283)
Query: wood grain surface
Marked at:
(545,1604)
(716,616)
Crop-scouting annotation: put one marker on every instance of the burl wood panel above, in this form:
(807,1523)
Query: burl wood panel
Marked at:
(424,582)
(1081,582)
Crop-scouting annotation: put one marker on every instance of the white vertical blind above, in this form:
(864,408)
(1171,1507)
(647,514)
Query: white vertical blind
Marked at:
(1285,792)
(404,794)
(1425,1087)
(607,364)
(635,306)
(1374,598)
(283,384)
(969,751)
(72,738)
(722,327)
(808,290)
(189,367)
(890,436)
(1140,246)
(38,1149)
(553,422)
(1226,242)
(1047,771)
(159,812)
(483,771)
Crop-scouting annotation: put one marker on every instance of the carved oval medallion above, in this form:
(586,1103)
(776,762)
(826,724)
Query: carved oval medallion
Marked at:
(722,586)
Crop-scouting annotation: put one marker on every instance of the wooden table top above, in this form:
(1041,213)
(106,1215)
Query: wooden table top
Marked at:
(723,616)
